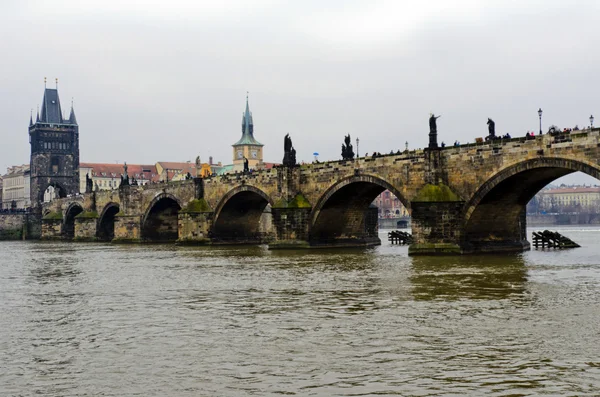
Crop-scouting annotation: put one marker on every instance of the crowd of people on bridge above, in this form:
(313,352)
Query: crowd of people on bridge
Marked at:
(14,210)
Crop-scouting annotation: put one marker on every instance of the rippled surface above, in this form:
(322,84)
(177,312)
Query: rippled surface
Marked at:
(106,320)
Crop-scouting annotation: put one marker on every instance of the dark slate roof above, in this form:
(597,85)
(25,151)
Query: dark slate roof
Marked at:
(51,111)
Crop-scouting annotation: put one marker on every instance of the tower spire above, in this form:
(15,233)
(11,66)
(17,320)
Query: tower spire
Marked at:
(247,124)
(72,118)
(31,118)
(247,128)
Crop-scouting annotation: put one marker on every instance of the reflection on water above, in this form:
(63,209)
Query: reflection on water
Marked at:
(99,319)
(472,277)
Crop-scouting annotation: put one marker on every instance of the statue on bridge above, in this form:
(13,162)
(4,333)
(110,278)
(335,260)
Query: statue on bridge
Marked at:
(433,131)
(124,176)
(491,128)
(89,184)
(198,166)
(289,153)
(347,151)
(433,122)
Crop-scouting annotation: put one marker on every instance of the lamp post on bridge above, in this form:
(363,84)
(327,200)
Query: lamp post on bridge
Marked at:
(357,152)
(540,114)
(591,121)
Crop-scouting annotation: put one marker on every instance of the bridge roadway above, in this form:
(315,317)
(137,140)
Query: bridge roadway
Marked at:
(464,199)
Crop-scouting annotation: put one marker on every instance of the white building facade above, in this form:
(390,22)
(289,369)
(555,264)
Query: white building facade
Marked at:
(16,187)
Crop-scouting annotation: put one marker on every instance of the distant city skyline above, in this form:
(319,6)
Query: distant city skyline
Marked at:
(167,82)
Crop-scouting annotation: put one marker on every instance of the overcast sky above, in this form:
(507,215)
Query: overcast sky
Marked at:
(156,80)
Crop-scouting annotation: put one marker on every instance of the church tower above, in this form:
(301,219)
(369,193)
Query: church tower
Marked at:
(54,150)
(247,146)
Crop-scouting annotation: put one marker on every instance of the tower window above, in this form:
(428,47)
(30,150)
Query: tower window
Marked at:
(54,165)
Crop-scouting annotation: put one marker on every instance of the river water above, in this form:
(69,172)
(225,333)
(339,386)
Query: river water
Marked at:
(81,319)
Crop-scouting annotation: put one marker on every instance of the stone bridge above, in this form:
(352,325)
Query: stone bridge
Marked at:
(463,199)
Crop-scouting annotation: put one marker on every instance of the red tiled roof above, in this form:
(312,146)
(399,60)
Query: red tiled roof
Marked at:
(108,170)
(575,189)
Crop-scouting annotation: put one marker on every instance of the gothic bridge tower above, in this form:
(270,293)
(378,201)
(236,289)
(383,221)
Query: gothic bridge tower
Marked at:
(54,150)
(247,146)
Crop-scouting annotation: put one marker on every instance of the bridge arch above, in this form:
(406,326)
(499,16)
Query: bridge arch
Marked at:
(240,216)
(105,230)
(342,216)
(68,227)
(494,217)
(160,221)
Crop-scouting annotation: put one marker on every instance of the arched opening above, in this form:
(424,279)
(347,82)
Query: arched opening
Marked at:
(160,222)
(53,191)
(68,229)
(495,217)
(243,217)
(348,213)
(568,201)
(106,223)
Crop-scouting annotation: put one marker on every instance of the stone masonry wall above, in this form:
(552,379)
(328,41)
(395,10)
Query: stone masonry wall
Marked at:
(436,227)
(291,227)
(11,226)
(52,229)
(85,229)
(127,229)
(194,227)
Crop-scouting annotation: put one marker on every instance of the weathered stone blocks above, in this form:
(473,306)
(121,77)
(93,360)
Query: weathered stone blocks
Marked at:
(194,227)
(127,229)
(13,226)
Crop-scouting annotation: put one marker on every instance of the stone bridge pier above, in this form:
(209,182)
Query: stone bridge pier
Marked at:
(464,199)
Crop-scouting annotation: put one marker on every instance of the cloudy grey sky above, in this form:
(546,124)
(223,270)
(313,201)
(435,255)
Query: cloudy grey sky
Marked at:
(166,80)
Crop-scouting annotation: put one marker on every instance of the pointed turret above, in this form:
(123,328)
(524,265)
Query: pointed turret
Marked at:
(37,118)
(72,118)
(31,118)
(247,129)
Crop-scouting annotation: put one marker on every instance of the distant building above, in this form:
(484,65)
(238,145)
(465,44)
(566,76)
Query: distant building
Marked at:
(16,187)
(108,175)
(569,199)
(389,206)
(173,171)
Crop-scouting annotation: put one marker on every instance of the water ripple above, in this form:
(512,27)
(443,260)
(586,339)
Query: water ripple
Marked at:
(98,319)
